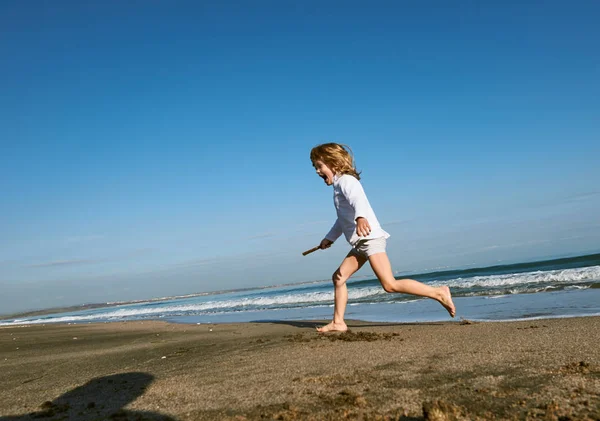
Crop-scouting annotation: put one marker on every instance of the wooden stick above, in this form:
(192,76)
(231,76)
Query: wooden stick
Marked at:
(311,250)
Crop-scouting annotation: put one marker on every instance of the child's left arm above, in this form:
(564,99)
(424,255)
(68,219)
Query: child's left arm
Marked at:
(362,227)
(355,194)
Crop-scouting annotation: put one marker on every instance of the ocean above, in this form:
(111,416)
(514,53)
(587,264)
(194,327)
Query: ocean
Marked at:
(567,287)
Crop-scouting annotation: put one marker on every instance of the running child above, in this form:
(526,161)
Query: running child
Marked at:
(357,221)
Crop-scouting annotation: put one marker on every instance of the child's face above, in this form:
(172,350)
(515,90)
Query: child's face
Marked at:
(324,172)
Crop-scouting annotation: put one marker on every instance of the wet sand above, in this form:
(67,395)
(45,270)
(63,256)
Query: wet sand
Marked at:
(544,369)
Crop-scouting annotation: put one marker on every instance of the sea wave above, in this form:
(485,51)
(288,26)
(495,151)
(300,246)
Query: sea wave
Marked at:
(551,277)
(361,293)
(213,307)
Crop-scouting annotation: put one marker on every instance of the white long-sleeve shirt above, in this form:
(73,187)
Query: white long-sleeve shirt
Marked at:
(350,203)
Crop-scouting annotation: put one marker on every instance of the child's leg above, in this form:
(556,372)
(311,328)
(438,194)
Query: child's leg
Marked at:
(383,270)
(349,266)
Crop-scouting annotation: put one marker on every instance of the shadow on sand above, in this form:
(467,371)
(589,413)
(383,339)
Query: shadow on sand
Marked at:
(100,398)
(313,324)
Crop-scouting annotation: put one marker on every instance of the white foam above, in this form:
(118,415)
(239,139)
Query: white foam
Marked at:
(560,276)
(220,306)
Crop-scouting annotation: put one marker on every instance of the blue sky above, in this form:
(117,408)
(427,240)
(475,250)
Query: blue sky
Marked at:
(161,148)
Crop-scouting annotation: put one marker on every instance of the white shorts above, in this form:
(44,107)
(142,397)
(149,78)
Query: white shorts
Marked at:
(369,247)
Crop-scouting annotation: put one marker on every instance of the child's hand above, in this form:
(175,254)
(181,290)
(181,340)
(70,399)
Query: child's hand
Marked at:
(325,243)
(362,227)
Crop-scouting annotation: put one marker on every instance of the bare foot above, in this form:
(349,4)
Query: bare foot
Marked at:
(446,300)
(333,327)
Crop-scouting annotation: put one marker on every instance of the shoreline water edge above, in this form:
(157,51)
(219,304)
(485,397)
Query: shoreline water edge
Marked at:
(567,287)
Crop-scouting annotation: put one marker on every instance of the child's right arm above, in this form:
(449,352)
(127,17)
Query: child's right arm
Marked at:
(332,235)
(325,244)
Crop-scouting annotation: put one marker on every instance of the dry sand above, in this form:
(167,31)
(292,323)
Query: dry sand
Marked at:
(545,369)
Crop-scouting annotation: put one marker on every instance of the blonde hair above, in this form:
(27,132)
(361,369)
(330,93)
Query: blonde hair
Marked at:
(337,157)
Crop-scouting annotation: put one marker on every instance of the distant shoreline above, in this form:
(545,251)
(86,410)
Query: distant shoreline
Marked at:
(53,311)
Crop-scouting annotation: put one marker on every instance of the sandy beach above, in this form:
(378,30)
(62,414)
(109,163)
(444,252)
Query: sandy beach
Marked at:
(543,369)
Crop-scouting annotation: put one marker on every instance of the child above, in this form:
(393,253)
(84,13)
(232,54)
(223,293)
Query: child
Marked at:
(357,221)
